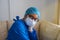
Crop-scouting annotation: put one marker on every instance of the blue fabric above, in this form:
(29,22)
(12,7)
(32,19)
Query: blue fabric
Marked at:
(33,10)
(32,35)
(19,31)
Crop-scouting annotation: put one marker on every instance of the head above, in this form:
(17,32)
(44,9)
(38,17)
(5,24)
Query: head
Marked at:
(32,16)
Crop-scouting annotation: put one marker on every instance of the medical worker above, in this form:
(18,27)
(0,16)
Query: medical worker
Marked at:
(23,29)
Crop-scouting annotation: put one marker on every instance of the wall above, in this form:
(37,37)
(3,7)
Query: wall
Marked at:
(11,8)
(59,12)
(51,11)
(4,11)
(18,7)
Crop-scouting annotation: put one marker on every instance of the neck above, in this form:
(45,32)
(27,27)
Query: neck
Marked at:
(31,29)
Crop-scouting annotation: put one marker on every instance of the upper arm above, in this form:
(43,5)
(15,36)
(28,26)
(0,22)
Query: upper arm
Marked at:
(19,31)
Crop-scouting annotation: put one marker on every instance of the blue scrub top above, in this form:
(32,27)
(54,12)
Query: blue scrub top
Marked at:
(19,31)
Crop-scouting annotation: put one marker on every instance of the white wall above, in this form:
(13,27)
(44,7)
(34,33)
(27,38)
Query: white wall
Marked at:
(4,12)
(18,7)
(9,9)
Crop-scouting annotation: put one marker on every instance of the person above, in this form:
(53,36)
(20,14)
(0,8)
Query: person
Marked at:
(23,29)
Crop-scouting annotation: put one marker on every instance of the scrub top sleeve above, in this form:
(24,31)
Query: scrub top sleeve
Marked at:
(19,31)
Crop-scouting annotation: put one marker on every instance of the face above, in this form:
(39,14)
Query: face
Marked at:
(33,17)
(31,20)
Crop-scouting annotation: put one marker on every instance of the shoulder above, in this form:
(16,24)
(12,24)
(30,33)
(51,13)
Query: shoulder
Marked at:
(18,20)
(18,24)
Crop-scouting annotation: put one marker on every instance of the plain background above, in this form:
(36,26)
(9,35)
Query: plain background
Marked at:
(9,9)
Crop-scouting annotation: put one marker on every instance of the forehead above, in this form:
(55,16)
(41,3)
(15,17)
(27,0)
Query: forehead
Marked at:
(34,15)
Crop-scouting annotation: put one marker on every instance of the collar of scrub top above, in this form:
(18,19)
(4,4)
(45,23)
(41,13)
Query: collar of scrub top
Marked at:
(17,18)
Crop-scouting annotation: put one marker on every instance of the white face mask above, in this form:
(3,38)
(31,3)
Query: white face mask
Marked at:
(30,22)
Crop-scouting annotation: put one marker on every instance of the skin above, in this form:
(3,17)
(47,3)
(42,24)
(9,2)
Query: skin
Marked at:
(33,16)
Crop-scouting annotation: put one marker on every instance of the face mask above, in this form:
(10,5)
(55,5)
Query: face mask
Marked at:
(30,22)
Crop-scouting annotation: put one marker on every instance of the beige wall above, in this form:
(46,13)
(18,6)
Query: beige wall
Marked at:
(51,11)
(59,12)
(59,18)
